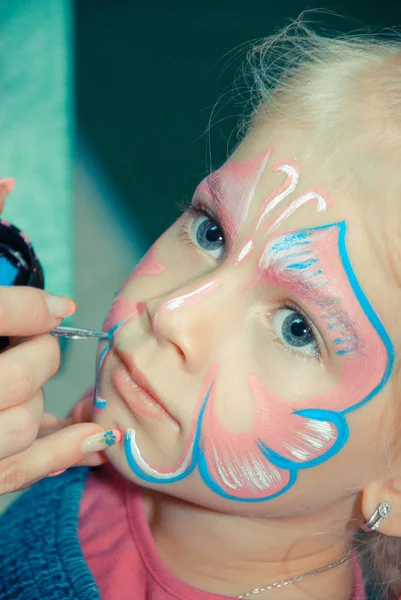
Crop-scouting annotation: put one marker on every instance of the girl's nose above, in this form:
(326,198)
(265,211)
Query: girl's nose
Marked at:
(187,320)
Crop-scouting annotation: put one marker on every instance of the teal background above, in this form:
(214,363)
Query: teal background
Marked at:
(36,121)
(149,73)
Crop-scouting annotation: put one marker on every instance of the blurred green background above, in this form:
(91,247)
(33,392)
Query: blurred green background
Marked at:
(148,74)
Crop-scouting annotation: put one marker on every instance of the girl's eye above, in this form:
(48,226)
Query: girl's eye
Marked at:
(294,330)
(206,234)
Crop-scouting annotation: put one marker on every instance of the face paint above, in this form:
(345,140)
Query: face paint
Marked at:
(232,190)
(149,264)
(123,310)
(187,299)
(245,253)
(292,439)
(275,223)
(313,265)
(282,437)
(289,186)
(98,401)
(188,459)
(263,462)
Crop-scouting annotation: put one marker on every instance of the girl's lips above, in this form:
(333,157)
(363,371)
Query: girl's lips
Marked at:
(137,392)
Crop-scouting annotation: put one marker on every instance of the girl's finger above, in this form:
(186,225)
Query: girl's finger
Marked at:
(25,368)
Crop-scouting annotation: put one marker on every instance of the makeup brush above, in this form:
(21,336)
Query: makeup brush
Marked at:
(77,333)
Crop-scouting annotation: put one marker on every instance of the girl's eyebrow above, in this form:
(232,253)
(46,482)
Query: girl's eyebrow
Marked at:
(333,310)
(215,193)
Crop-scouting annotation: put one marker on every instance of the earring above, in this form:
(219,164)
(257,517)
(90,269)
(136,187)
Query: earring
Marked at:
(382,511)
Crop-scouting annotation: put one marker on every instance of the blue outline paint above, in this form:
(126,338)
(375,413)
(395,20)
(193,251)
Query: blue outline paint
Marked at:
(102,356)
(315,414)
(138,471)
(369,312)
(337,418)
(103,403)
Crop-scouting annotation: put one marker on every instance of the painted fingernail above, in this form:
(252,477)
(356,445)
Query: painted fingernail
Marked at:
(57,473)
(60,306)
(101,441)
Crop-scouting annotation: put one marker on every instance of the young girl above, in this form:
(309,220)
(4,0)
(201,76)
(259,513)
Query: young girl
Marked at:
(252,367)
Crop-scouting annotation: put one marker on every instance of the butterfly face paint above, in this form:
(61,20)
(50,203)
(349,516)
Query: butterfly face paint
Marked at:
(287,438)
(280,435)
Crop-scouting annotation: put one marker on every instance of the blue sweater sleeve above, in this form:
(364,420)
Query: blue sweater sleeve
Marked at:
(40,554)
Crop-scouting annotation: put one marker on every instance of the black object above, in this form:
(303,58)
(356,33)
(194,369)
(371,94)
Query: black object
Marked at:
(19,264)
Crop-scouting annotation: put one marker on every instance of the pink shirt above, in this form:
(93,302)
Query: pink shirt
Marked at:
(120,551)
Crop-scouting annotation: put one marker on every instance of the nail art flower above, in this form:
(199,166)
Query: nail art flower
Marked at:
(109,438)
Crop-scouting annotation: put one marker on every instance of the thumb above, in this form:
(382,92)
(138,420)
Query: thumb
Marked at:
(6,186)
(55,452)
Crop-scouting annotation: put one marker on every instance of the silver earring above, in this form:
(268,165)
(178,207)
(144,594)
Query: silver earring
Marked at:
(382,511)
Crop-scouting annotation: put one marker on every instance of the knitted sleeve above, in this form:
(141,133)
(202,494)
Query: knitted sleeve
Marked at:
(40,555)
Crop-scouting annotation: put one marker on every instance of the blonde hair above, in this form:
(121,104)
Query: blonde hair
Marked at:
(346,92)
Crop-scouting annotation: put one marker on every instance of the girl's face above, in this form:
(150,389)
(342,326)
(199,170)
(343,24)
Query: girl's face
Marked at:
(249,357)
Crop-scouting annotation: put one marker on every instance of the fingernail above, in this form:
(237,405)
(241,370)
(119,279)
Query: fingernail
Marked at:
(60,306)
(8,184)
(101,441)
(57,473)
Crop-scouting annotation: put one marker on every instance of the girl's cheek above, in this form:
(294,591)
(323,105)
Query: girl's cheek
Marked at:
(169,264)
(287,376)
(126,304)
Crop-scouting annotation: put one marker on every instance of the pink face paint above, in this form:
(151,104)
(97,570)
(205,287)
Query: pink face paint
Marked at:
(309,265)
(232,190)
(320,280)
(322,204)
(287,433)
(123,309)
(149,264)
(276,197)
(234,460)
(188,299)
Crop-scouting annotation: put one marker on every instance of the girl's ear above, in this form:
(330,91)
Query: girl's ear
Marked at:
(377,492)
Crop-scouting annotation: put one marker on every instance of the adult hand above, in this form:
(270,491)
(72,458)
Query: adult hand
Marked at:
(27,454)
